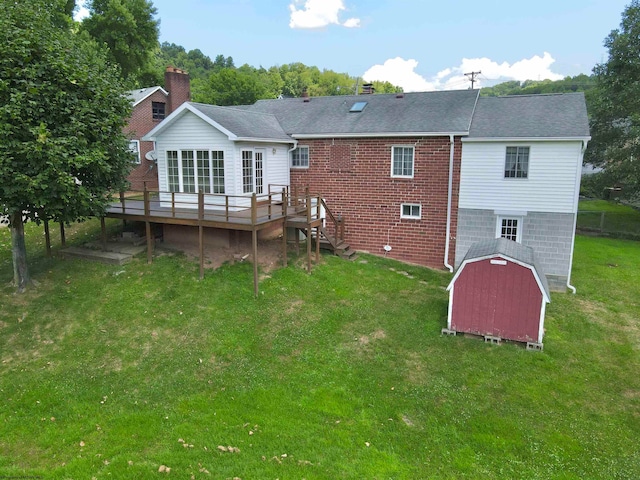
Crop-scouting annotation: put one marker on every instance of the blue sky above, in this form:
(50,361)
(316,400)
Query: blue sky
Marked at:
(418,44)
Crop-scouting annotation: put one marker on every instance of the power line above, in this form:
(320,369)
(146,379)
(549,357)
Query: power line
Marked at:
(472,76)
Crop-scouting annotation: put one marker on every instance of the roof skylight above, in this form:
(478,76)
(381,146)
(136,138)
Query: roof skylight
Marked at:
(358,106)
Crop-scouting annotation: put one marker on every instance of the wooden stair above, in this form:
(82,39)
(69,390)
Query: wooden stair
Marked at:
(338,247)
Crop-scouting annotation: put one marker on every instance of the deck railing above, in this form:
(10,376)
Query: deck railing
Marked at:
(204,206)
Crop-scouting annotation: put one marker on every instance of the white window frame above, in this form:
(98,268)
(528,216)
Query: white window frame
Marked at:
(519,225)
(212,185)
(413,161)
(302,162)
(520,173)
(134,148)
(411,206)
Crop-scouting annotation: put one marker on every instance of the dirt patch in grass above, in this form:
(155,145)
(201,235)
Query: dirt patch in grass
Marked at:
(269,254)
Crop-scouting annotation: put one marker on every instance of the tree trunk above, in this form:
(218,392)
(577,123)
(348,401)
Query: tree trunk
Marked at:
(19,253)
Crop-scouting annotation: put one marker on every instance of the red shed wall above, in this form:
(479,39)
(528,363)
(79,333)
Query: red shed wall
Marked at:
(354,177)
(498,300)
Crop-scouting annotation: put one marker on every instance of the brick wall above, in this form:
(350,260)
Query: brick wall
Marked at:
(177,83)
(354,178)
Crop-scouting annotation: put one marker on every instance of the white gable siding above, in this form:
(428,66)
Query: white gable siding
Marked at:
(276,165)
(191,132)
(551,185)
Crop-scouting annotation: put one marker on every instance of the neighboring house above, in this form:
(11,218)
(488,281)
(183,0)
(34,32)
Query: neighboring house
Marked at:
(520,176)
(150,106)
(415,176)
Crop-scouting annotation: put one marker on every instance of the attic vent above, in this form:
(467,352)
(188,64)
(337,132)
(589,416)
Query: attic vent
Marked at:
(358,106)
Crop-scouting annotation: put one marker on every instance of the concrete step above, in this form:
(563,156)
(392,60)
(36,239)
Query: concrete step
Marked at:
(112,258)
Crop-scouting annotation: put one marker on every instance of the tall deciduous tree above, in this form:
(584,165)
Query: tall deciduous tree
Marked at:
(128,28)
(615,108)
(62,110)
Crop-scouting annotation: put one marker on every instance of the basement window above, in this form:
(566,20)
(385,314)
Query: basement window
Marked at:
(509,228)
(411,211)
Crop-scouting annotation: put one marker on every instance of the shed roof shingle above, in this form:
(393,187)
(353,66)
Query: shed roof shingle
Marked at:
(509,249)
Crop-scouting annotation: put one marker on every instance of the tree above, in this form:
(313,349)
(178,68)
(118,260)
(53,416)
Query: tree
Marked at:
(233,87)
(128,28)
(62,110)
(615,108)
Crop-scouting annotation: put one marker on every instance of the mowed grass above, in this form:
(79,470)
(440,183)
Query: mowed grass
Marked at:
(611,217)
(119,372)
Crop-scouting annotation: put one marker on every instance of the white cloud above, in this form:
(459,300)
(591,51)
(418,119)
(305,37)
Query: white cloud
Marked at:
(318,14)
(401,72)
(81,11)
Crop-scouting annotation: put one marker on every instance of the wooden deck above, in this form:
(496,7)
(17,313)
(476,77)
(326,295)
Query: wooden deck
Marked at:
(247,213)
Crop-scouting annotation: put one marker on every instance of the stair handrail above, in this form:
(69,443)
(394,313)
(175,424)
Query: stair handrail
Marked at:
(338,223)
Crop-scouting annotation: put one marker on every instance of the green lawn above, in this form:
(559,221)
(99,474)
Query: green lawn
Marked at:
(118,372)
(610,217)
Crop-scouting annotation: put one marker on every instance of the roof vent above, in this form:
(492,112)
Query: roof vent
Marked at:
(400,95)
(358,107)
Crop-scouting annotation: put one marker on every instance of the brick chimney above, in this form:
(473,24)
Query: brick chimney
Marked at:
(178,84)
(368,89)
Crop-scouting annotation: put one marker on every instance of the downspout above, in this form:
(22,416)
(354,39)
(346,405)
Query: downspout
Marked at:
(449,200)
(575,216)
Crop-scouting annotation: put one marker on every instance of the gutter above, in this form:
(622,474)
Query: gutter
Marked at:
(449,200)
(575,215)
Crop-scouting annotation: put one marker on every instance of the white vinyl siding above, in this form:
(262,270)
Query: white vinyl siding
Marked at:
(550,185)
(402,161)
(192,133)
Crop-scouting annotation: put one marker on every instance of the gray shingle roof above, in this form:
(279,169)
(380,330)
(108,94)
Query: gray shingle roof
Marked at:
(509,249)
(244,123)
(532,116)
(141,93)
(417,112)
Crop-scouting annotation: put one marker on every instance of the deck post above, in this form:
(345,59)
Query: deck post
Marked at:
(147,206)
(226,207)
(149,242)
(47,237)
(254,210)
(173,204)
(122,201)
(308,248)
(284,228)
(254,241)
(63,239)
(103,230)
(317,243)
(201,231)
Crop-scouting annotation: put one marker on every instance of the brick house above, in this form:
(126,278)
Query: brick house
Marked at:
(150,106)
(415,176)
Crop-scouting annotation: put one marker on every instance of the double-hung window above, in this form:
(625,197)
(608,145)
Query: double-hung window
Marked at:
(516,163)
(134,148)
(192,171)
(158,110)
(402,158)
(300,157)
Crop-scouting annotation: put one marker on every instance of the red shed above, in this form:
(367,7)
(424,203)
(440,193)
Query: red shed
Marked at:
(498,291)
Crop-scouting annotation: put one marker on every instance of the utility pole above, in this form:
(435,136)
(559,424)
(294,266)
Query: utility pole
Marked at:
(472,76)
